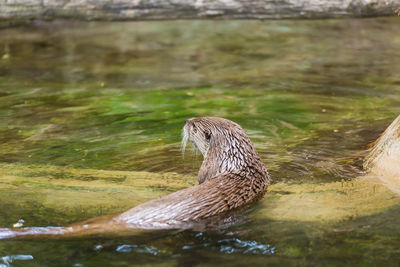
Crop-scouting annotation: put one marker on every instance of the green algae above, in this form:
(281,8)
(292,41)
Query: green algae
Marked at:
(99,104)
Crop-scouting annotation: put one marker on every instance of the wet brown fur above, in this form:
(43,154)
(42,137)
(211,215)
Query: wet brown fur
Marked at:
(231,177)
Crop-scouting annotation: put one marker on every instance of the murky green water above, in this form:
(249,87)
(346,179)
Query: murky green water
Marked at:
(114,96)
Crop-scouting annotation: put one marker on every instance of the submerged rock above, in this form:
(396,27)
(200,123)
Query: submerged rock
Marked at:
(64,195)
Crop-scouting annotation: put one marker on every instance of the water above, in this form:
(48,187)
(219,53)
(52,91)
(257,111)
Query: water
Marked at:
(91,119)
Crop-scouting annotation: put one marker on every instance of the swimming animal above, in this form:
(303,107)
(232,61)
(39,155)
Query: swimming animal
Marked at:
(231,177)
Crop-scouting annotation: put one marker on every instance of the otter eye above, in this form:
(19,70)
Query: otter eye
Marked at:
(207,135)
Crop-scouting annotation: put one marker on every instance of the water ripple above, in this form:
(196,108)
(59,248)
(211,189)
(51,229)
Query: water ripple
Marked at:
(7,260)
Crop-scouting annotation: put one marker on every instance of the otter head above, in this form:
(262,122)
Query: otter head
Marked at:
(224,145)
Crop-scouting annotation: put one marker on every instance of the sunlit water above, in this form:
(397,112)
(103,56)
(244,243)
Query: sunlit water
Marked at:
(114,96)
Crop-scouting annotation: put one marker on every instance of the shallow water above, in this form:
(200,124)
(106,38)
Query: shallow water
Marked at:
(91,119)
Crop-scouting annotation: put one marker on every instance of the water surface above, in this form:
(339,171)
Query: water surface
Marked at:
(90,110)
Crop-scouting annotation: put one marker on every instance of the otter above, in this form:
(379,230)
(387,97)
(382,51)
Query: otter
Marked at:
(231,177)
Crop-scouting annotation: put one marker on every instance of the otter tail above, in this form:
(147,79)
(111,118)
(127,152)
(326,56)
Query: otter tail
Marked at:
(104,225)
(31,232)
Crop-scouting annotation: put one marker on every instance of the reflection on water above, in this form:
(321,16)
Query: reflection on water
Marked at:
(139,249)
(8,260)
(76,98)
(115,95)
(232,245)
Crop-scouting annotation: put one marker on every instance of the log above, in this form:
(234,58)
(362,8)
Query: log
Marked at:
(192,9)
